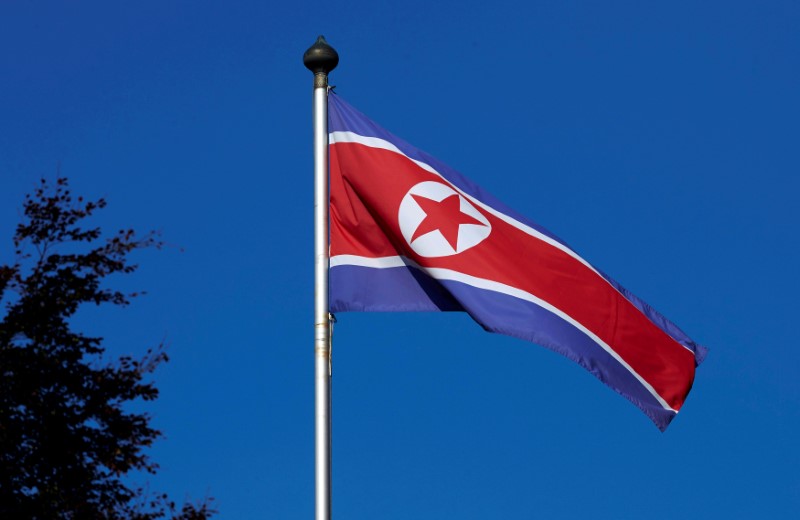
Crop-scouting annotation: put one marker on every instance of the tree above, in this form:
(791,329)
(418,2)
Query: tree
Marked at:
(67,438)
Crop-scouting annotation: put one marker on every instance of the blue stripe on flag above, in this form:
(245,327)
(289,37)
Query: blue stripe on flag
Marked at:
(392,289)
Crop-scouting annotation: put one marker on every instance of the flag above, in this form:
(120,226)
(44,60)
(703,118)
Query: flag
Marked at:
(408,233)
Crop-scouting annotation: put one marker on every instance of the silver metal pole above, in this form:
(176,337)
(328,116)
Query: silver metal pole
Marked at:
(321,58)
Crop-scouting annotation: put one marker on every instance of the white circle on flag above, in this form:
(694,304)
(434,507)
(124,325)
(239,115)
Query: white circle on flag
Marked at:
(450,226)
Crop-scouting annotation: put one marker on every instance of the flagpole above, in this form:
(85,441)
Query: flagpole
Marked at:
(320,59)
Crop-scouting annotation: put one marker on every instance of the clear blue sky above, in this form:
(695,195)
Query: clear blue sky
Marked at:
(660,140)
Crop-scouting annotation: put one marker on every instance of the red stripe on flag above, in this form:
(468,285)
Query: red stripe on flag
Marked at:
(367,186)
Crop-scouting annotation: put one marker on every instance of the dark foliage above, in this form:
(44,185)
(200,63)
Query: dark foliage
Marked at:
(67,438)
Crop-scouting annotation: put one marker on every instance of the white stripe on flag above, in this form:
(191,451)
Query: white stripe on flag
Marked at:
(376,142)
(436,273)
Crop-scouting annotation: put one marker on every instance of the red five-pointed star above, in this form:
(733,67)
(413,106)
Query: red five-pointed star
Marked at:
(446,216)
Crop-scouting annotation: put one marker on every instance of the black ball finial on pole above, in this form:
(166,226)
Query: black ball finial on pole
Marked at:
(321,58)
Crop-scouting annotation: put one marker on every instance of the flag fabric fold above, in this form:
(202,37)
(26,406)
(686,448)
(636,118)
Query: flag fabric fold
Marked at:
(408,233)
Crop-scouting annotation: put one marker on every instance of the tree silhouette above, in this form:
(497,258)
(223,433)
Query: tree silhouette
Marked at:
(67,438)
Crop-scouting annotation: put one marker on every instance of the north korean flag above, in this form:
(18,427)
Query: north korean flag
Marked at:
(408,233)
